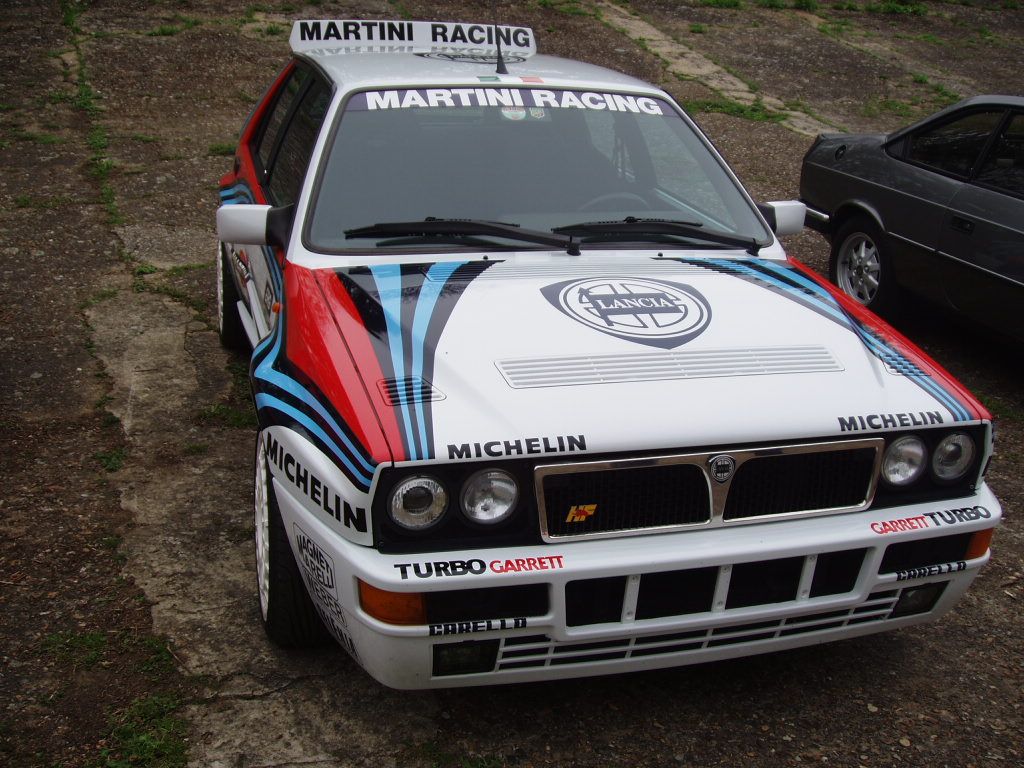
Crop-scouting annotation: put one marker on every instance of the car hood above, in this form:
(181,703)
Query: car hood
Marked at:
(548,354)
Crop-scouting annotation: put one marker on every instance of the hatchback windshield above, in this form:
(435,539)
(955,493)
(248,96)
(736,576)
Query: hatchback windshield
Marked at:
(534,158)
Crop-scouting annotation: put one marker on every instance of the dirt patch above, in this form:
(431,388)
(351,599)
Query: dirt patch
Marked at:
(126,511)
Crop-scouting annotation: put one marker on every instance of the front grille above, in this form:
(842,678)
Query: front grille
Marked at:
(693,590)
(579,503)
(623,497)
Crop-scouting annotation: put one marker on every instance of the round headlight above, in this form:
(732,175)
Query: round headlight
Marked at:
(905,460)
(489,496)
(417,502)
(953,457)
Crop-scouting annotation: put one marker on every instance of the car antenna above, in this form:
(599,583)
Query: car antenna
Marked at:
(501,68)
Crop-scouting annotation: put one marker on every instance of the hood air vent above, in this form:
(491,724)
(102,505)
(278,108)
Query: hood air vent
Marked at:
(410,389)
(528,373)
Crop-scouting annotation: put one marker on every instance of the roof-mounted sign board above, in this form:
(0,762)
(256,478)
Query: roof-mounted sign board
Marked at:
(410,37)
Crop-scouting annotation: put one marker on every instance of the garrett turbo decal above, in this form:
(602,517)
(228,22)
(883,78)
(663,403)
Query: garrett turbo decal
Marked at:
(888,421)
(658,313)
(520,447)
(932,520)
(468,627)
(315,489)
(931,570)
(477,567)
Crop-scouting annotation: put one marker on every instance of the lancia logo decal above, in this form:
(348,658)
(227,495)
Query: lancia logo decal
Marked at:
(654,312)
(722,467)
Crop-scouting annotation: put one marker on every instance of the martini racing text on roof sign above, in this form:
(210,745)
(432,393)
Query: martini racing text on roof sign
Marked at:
(530,367)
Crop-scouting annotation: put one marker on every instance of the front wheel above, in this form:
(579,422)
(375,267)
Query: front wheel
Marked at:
(860,265)
(289,617)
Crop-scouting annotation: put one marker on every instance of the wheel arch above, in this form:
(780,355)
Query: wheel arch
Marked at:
(851,208)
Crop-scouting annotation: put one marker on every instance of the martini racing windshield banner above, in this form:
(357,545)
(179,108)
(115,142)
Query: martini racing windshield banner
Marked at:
(525,103)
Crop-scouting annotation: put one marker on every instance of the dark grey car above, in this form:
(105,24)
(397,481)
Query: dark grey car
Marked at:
(937,208)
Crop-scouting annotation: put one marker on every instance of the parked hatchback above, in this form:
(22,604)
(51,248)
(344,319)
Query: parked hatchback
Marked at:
(936,208)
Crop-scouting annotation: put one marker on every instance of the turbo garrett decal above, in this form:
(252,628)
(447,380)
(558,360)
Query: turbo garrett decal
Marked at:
(932,520)
(477,567)
(658,313)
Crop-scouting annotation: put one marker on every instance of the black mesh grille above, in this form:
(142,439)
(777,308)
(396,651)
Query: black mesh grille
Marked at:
(625,499)
(796,482)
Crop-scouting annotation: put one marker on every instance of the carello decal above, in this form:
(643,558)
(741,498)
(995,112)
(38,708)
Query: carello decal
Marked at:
(519,447)
(932,520)
(658,313)
(436,569)
(931,570)
(315,489)
(313,559)
(888,421)
(481,625)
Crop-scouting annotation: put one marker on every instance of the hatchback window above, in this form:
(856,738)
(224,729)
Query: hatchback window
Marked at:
(297,145)
(954,147)
(1004,166)
(272,127)
(536,158)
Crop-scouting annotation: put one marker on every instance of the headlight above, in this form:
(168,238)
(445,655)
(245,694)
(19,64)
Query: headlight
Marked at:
(489,496)
(417,502)
(953,457)
(905,460)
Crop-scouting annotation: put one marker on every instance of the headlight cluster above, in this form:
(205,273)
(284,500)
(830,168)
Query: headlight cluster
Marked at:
(420,502)
(906,459)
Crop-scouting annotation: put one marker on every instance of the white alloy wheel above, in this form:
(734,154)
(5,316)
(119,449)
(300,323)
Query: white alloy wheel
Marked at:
(262,526)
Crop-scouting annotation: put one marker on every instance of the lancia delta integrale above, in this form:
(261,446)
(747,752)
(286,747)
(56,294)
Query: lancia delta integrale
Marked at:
(534,380)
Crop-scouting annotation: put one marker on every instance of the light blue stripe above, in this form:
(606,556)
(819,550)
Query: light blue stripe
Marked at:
(437,276)
(266,372)
(389,287)
(268,401)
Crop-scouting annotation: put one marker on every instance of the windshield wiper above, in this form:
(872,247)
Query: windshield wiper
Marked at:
(437,226)
(631,226)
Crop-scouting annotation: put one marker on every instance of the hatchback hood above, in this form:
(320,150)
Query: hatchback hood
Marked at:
(548,354)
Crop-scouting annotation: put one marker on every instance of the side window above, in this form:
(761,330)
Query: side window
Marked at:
(271,129)
(954,147)
(289,168)
(1004,166)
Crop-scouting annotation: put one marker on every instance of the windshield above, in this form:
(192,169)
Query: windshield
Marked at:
(534,158)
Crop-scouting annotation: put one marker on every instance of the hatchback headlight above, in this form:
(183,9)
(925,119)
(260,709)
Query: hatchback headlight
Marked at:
(905,460)
(489,496)
(953,457)
(417,502)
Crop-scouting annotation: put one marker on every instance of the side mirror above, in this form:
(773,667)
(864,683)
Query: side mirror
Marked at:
(786,217)
(255,224)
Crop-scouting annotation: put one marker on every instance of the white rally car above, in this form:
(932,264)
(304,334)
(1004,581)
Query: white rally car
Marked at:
(541,396)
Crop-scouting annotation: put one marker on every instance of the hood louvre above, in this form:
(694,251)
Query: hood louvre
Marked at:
(529,373)
(408,389)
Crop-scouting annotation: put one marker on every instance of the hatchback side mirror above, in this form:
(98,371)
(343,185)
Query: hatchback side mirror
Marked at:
(255,224)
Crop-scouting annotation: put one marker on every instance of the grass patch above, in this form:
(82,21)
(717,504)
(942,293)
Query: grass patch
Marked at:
(147,733)
(698,29)
(756,111)
(228,415)
(83,649)
(773,4)
(732,4)
(111,460)
(196,449)
(221,149)
(273,30)
(896,9)
(944,95)
(569,7)
(143,138)
(144,268)
(835,28)
(183,269)
(37,138)
(806,5)
(880,107)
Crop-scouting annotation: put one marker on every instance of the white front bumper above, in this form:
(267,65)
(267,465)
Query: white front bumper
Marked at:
(547,647)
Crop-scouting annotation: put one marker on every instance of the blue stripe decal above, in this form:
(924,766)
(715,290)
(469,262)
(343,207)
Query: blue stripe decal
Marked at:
(389,287)
(266,372)
(437,276)
(268,401)
(823,300)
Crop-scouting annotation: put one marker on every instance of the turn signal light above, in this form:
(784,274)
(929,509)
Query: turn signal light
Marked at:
(980,542)
(393,607)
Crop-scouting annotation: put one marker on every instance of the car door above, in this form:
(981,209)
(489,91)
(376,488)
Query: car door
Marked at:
(937,159)
(985,234)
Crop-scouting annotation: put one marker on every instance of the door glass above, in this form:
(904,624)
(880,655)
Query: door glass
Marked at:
(954,147)
(297,145)
(274,121)
(1004,166)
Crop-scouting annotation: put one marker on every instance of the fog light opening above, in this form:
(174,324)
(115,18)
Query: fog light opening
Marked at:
(392,607)
(918,599)
(980,543)
(468,658)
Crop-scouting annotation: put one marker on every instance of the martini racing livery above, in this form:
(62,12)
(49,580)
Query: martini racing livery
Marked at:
(539,393)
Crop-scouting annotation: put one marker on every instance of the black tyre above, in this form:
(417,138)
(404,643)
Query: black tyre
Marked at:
(288,614)
(861,265)
(232,333)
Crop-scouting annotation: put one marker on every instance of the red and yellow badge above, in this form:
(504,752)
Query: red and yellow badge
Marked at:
(579,513)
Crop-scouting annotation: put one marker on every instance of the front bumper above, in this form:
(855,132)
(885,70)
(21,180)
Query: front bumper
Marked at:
(612,603)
